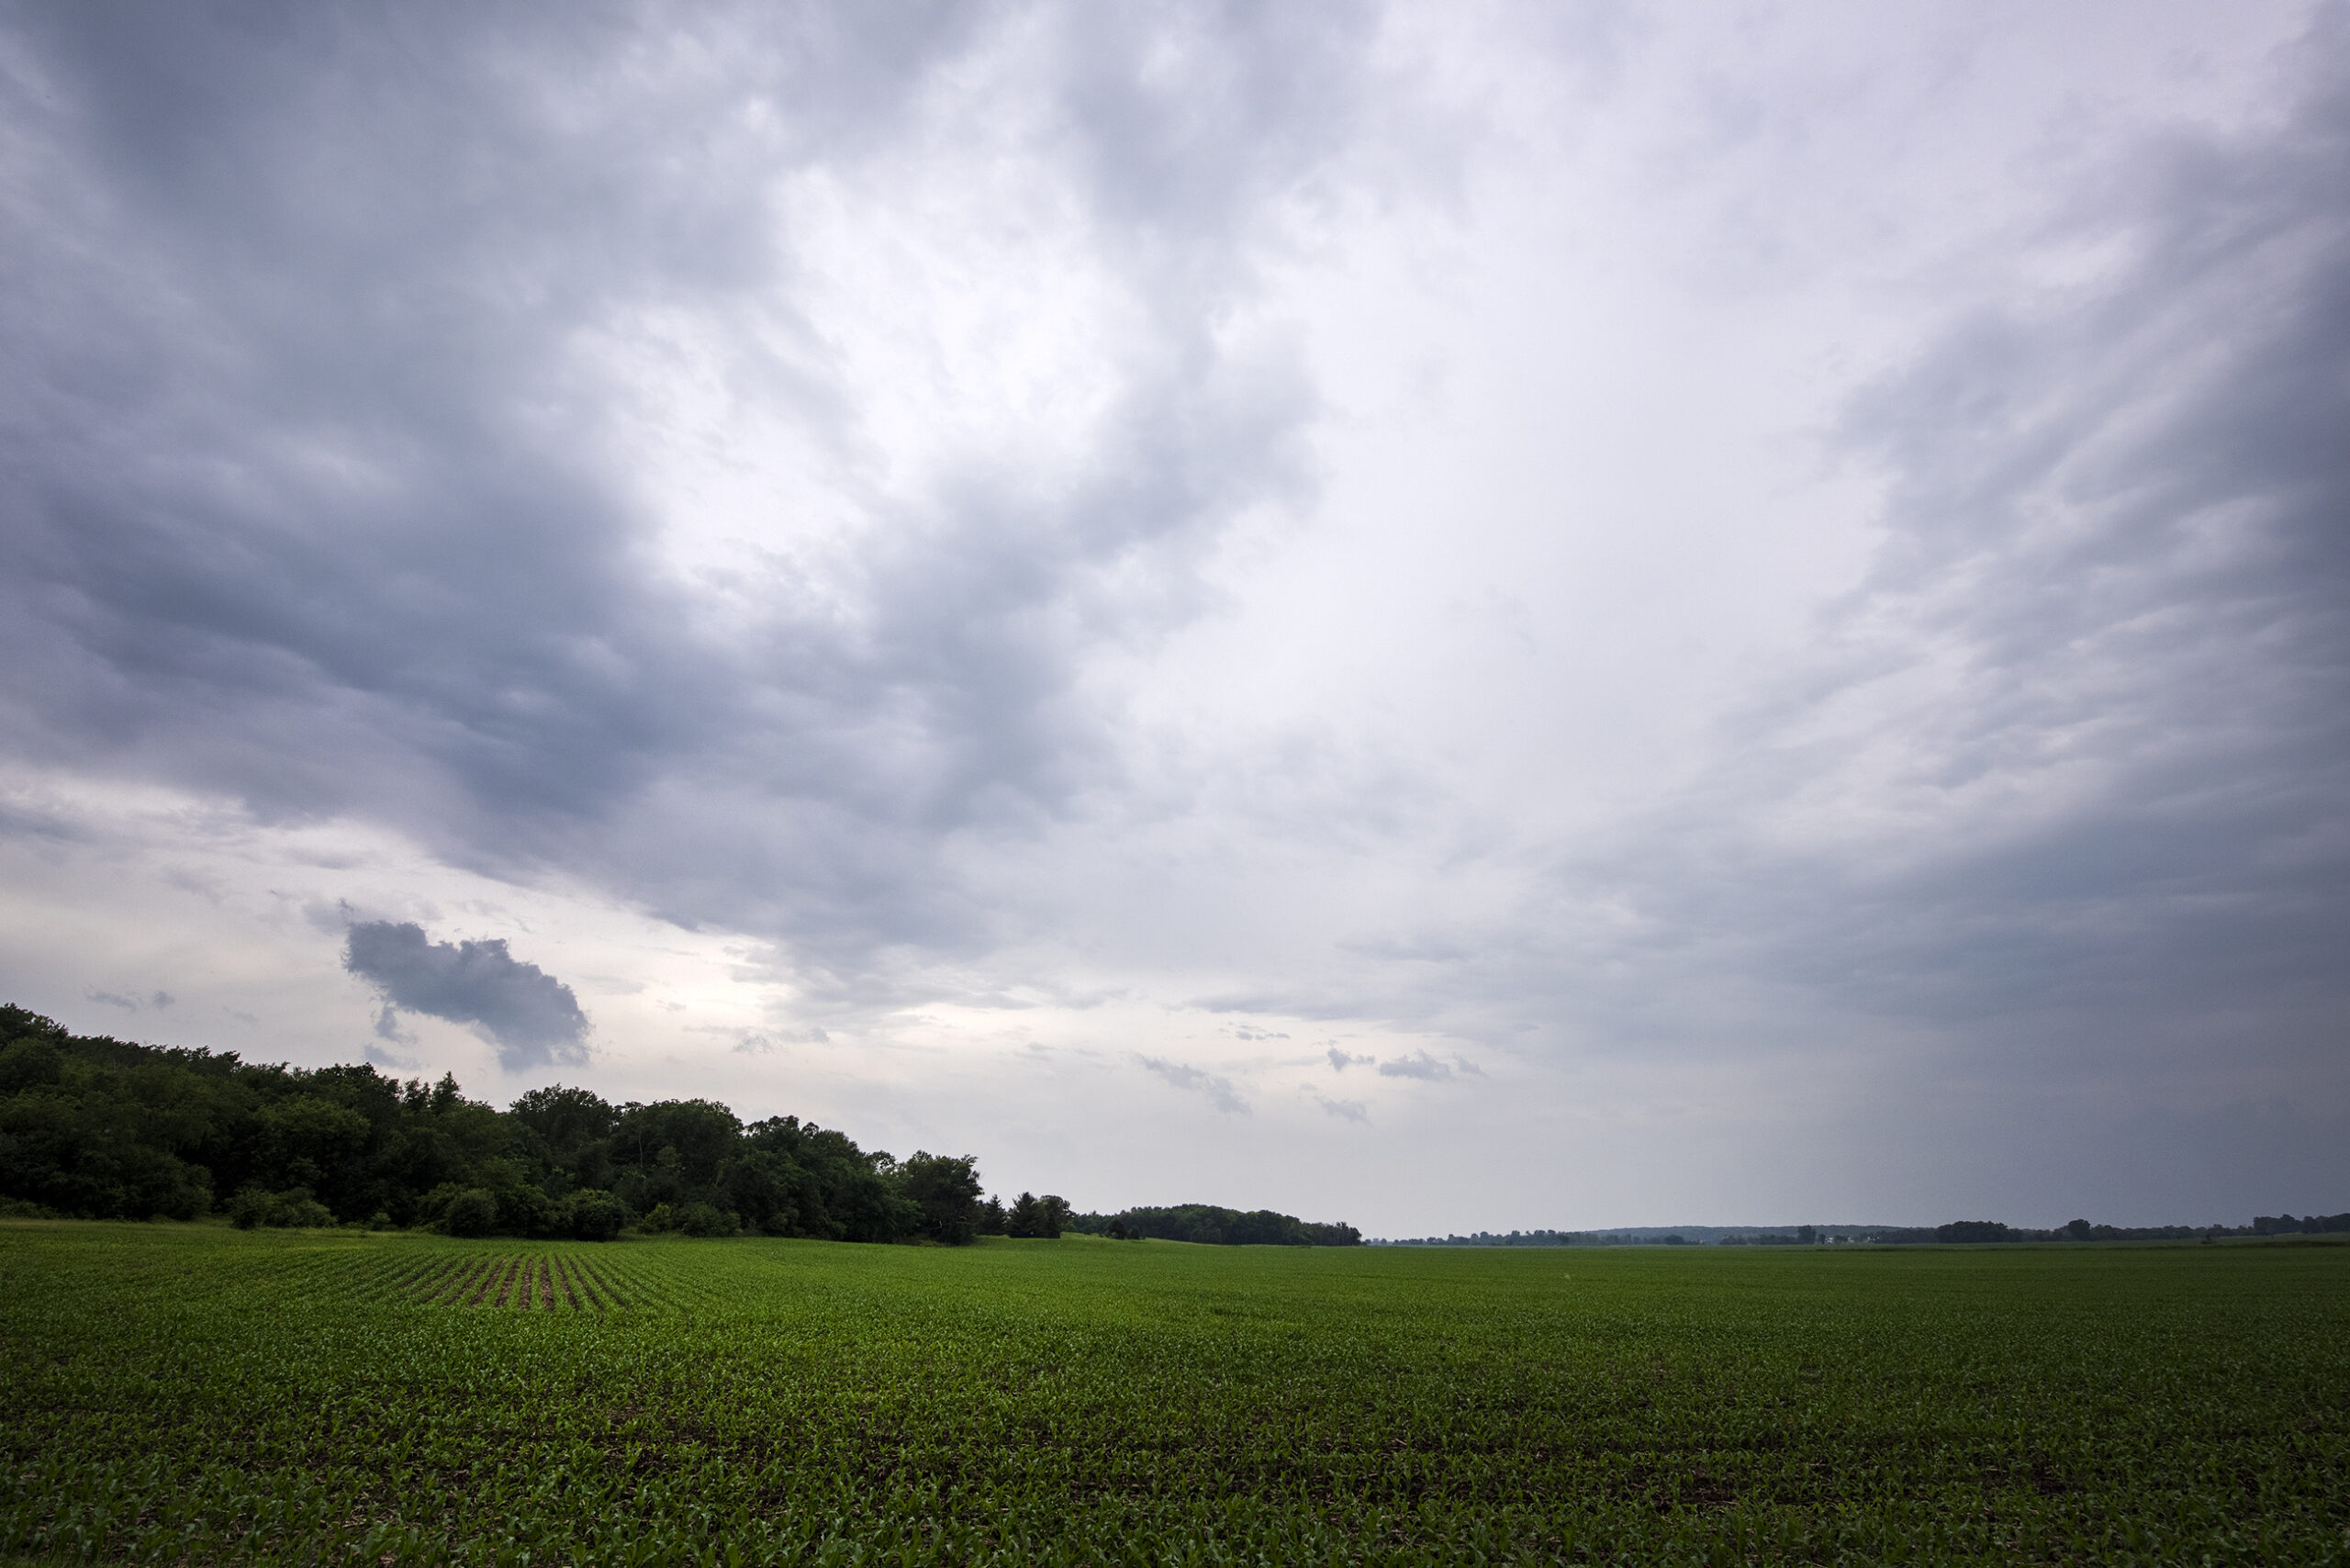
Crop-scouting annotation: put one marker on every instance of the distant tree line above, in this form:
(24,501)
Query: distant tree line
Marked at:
(1957,1231)
(1541,1239)
(1216,1227)
(1984,1231)
(2286,1224)
(1803,1236)
(100,1128)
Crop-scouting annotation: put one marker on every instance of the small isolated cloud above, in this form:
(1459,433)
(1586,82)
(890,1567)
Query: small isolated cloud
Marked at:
(1345,1110)
(762,1042)
(1250,1032)
(113,998)
(531,1017)
(1219,1091)
(1340,1060)
(1419,1064)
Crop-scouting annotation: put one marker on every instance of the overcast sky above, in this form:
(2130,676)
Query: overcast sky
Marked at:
(1448,616)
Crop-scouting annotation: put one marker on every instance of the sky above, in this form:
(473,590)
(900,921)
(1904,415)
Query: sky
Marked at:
(1451,617)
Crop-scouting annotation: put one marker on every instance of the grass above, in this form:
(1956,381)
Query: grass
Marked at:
(194,1393)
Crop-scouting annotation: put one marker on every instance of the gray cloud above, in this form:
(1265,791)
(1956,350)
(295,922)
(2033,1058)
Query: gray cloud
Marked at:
(1217,1090)
(2115,557)
(533,1017)
(342,356)
(2060,800)
(158,1000)
(1419,1064)
(344,537)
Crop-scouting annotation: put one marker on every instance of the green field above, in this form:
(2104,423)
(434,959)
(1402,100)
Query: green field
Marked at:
(196,1393)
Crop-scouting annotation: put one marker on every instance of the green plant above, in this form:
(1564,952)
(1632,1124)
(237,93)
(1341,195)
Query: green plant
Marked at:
(592,1216)
(701,1219)
(470,1213)
(190,1394)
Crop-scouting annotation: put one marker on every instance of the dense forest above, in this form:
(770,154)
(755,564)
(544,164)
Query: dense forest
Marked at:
(96,1126)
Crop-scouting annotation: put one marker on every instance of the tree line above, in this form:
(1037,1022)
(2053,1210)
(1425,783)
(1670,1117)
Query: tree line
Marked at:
(94,1127)
(1211,1225)
(1956,1231)
(1543,1238)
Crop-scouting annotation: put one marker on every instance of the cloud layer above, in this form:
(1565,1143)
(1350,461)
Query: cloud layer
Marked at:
(1677,587)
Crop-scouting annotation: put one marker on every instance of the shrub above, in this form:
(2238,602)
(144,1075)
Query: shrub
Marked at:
(471,1212)
(595,1216)
(701,1219)
(293,1209)
(434,1205)
(523,1209)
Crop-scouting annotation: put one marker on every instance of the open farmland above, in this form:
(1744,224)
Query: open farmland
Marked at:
(195,1394)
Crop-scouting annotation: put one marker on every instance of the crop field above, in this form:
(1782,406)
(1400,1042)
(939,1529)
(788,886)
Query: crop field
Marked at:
(197,1394)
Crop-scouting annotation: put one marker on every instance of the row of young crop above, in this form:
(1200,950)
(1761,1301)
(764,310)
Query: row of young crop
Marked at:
(541,1282)
(555,1280)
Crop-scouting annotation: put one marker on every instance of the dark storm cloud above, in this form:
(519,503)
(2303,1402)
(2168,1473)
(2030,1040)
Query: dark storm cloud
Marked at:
(533,1017)
(295,512)
(305,485)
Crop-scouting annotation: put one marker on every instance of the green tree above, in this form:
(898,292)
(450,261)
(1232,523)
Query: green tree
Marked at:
(945,1190)
(566,1120)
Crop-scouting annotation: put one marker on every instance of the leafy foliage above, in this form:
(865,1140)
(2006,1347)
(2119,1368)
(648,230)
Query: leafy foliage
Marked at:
(1032,1216)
